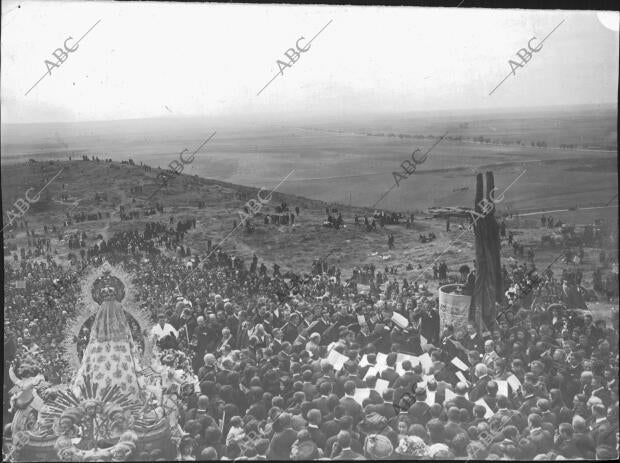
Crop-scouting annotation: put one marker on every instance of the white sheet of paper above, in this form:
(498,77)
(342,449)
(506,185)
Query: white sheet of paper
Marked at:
(364,361)
(425,380)
(337,359)
(399,368)
(382,385)
(361,394)
(361,319)
(502,387)
(372,371)
(461,377)
(489,412)
(412,358)
(514,382)
(449,395)
(381,368)
(430,397)
(426,362)
(457,362)
(381,361)
(401,321)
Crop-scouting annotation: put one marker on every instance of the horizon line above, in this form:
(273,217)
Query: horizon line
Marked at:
(275,115)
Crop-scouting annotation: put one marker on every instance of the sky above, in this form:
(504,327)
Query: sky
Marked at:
(144,60)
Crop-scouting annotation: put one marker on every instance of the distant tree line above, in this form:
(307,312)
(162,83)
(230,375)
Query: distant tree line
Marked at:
(476,139)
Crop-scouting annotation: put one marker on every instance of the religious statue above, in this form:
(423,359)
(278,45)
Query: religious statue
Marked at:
(99,415)
(111,357)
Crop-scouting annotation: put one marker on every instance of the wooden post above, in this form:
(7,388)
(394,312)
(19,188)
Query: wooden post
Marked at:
(488,286)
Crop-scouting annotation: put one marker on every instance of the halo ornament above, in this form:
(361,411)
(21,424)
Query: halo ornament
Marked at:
(100,283)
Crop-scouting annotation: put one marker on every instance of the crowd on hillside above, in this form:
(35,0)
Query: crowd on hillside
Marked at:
(307,366)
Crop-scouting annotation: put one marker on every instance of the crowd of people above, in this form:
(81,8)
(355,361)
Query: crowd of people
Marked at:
(300,366)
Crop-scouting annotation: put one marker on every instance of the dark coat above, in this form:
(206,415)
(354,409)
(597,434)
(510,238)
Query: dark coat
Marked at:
(281,445)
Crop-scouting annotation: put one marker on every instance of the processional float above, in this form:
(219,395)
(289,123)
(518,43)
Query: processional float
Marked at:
(114,407)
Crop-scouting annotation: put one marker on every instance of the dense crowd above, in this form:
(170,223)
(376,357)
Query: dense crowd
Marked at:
(308,366)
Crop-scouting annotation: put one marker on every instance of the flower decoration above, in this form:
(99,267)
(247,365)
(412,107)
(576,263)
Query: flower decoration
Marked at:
(176,359)
(413,446)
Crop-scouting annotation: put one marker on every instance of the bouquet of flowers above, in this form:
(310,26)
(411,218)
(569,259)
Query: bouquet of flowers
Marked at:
(412,446)
(176,359)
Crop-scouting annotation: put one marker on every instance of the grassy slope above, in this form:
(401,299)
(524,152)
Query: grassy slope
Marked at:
(292,248)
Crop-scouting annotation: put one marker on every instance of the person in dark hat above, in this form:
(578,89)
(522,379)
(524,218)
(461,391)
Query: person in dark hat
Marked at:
(321,402)
(419,412)
(314,431)
(345,452)
(305,450)
(283,439)
(389,373)
(262,446)
(213,439)
(352,407)
(429,326)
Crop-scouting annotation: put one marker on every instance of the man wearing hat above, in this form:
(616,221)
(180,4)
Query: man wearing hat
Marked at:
(186,318)
(283,438)
(290,328)
(320,324)
(389,374)
(420,411)
(409,377)
(326,375)
(349,373)
(314,423)
(352,407)
(305,450)
(344,441)
(219,304)
(382,338)
(429,326)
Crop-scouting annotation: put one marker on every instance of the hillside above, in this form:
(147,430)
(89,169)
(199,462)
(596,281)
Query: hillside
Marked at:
(292,248)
